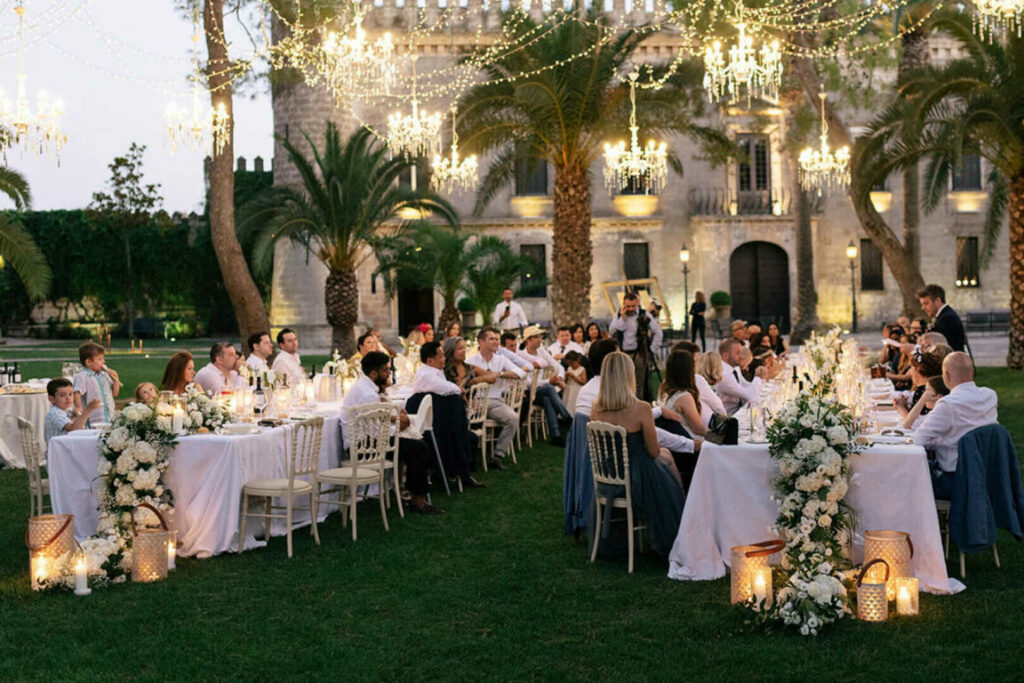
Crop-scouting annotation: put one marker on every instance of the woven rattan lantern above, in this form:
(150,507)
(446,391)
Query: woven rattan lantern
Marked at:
(48,538)
(149,549)
(896,549)
(745,563)
(872,598)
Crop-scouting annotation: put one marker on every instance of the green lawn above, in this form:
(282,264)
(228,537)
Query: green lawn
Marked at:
(490,590)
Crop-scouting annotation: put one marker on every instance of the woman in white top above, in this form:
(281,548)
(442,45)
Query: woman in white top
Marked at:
(680,392)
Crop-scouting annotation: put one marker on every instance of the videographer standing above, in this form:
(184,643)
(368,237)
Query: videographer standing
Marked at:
(639,335)
(509,315)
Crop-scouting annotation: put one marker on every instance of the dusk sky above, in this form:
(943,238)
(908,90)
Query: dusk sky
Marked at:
(117,64)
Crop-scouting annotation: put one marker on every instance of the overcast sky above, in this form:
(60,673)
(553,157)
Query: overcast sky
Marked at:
(116,63)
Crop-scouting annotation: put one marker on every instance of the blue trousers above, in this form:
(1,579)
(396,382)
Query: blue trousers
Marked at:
(551,402)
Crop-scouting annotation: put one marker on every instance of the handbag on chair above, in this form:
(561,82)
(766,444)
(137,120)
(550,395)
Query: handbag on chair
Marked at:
(723,430)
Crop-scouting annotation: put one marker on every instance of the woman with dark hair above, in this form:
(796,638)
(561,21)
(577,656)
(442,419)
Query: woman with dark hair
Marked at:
(924,365)
(577,335)
(454,330)
(679,391)
(457,370)
(776,342)
(592,334)
(179,373)
(697,311)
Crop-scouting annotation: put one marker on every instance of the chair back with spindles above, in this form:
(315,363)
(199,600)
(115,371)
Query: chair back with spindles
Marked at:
(476,404)
(513,394)
(306,439)
(369,433)
(33,461)
(609,457)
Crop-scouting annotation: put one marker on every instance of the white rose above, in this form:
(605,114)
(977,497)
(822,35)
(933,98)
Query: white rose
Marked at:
(825,521)
(104,467)
(196,417)
(807,420)
(144,453)
(125,495)
(125,463)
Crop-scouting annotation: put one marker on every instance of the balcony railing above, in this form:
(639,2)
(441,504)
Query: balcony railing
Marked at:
(719,202)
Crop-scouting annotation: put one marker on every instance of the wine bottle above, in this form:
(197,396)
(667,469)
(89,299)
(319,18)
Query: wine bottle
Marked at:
(312,370)
(259,399)
(3,376)
(17,374)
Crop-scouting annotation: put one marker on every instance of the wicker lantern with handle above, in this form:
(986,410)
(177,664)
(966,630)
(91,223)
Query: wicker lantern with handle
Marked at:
(149,549)
(896,548)
(872,598)
(745,562)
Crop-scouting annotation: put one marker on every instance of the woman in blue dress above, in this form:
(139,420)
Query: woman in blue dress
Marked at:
(656,488)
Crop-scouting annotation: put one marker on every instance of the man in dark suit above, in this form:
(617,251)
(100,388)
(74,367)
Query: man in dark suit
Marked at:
(947,322)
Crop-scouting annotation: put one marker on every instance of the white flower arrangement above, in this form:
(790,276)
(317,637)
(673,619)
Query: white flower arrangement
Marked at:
(340,367)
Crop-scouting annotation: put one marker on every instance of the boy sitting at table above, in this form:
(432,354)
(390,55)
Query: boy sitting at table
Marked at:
(96,381)
(60,393)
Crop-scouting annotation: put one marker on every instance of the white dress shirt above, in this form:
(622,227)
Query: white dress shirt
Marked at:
(432,381)
(965,407)
(516,316)
(499,364)
(544,359)
(211,379)
(709,401)
(734,390)
(561,349)
(627,324)
(256,363)
(585,401)
(514,357)
(364,391)
(289,364)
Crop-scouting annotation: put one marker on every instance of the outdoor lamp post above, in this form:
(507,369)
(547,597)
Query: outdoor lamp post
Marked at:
(851,253)
(684,258)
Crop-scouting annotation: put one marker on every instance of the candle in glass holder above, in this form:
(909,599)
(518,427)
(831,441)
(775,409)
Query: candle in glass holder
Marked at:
(81,577)
(762,583)
(907,596)
(171,554)
(178,420)
(38,568)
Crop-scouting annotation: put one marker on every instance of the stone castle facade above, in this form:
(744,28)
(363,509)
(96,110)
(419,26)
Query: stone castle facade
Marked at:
(736,220)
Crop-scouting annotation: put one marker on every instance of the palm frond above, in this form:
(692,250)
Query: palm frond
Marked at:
(21,252)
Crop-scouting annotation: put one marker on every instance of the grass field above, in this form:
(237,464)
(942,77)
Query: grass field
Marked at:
(490,590)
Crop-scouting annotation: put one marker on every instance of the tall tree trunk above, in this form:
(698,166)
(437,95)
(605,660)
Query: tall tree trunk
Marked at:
(904,271)
(250,312)
(129,276)
(572,253)
(449,315)
(341,299)
(806,295)
(914,56)
(1015,356)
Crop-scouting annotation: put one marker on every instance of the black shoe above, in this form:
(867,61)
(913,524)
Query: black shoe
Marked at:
(426,509)
(471,483)
(558,441)
(495,464)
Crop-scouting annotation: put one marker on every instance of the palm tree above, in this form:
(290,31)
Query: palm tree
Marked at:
(16,244)
(561,112)
(973,105)
(351,191)
(492,267)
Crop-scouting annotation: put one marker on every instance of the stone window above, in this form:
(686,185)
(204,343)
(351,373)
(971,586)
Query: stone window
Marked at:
(967,263)
(968,176)
(871,267)
(538,254)
(753,175)
(531,174)
(636,260)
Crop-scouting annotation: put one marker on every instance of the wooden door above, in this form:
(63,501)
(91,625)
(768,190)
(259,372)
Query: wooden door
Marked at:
(759,284)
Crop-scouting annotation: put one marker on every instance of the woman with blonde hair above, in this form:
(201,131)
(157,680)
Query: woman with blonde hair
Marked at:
(656,488)
(709,366)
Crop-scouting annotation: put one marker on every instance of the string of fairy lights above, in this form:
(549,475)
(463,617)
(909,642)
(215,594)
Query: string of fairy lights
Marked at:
(744,46)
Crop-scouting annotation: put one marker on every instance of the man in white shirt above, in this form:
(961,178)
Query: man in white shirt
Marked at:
(220,374)
(739,332)
(547,389)
(509,348)
(288,362)
(509,315)
(490,360)
(967,406)
(429,378)
(710,403)
(260,349)
(368,389)
(564,344)
(734,390)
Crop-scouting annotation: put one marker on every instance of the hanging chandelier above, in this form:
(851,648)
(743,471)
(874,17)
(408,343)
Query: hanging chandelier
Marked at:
(416,135)
(453,174)
(998,16)
(643,168)
(355,66)
(40,131)
(820,169)
(204,126)
(746,72)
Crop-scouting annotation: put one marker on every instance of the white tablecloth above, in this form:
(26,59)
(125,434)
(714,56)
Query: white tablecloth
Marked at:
(32,407)
(206,474)
(730,504)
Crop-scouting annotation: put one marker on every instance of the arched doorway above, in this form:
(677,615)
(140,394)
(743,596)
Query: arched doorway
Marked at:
(759,284)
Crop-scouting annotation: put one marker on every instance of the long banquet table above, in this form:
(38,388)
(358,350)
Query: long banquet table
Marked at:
(730,504)
(30,406)
(206,475)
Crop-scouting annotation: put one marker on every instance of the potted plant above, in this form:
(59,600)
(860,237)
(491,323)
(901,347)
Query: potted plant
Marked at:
(467,307)
(722,303)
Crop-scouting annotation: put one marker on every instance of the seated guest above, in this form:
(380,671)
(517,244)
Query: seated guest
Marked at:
(966,407)
(61,418)
(707,373)
(903,321)
(220,374)
(460,373)
(739,331)
(416,337)
(381,346)
(918,326)
(428,332)
(454,329)
(747,370)
(947,322)
(592,334)
(890,355)
(365,344)
(96,381)
(509,348)
(575,378)
(260,349)
(563,343)
(752,329)
(288,363)
(179,373)
(489,360)
(776,342)
(578,337)
(900,377)
(656,489)
(546,394)
(145,393)
(924,365)
(679,391)
(429,377)
(735,390)
(369,388)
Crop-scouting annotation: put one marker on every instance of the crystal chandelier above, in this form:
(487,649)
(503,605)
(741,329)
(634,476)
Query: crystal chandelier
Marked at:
(40,131)
(745,72)
(998,16)
(416,135)
(644,168)
(202,127)
(352,65)
(820,169)
(453,174)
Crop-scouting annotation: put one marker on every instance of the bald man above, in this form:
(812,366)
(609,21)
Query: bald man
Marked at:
(966,407)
